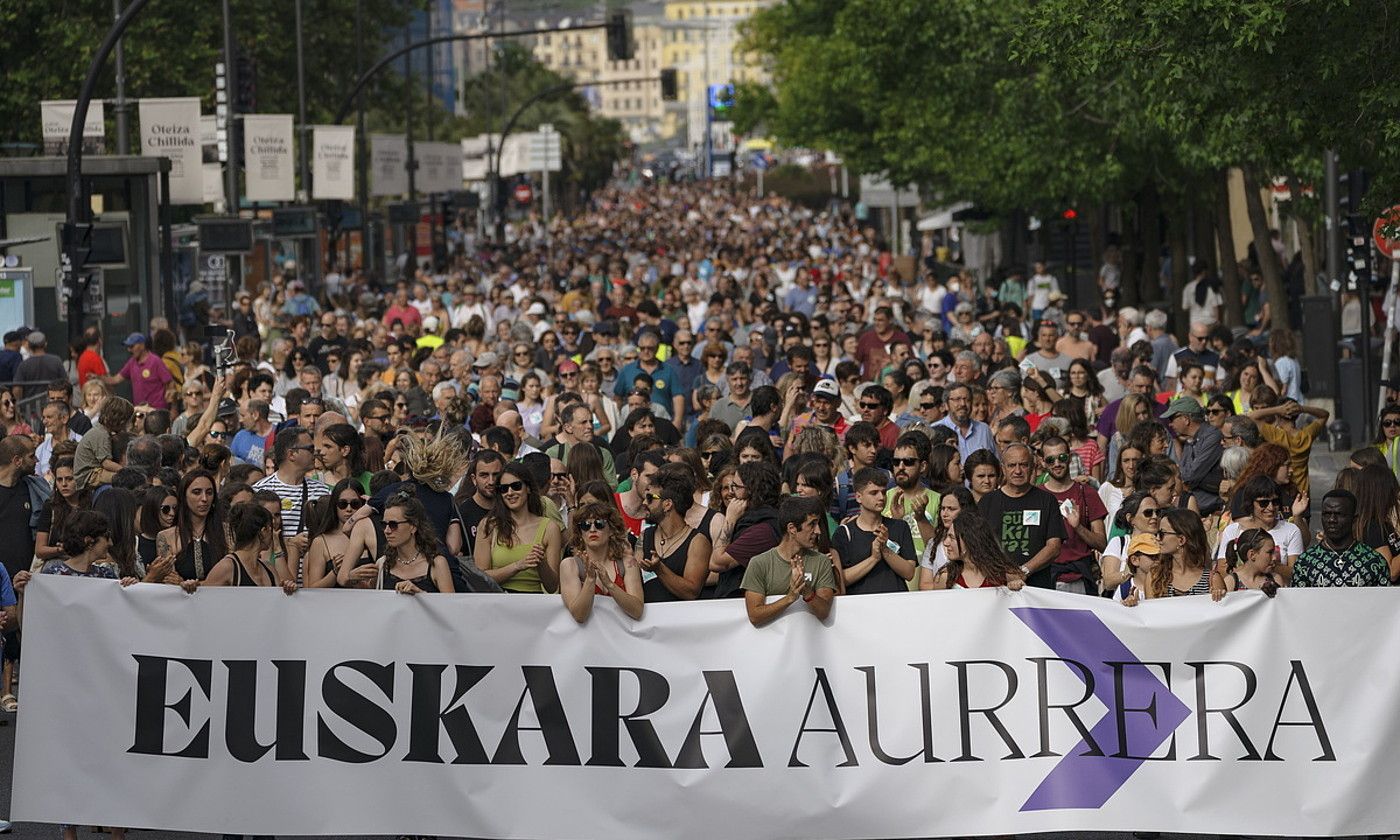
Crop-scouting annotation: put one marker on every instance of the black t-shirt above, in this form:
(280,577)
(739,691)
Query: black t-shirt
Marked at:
(320,347)
(1380,536)
(14,527)
(854,544)
(652,587)
(1023,526)
(79,423)
(472,514)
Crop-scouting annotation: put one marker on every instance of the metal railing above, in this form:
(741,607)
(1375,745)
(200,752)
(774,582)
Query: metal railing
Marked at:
(30,408)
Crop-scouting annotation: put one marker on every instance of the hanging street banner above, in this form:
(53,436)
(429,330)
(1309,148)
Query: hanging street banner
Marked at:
(268,165)
(170,129)
(56,117)
(902,716)
(333,162)
(439,167)
(388,164)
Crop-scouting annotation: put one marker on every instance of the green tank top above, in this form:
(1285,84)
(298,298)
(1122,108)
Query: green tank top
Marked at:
(527,580)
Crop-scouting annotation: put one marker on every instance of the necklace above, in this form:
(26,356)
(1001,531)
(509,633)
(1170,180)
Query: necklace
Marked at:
(662,539)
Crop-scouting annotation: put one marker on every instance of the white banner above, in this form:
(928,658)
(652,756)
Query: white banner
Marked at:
(170,129)
(388,163)
(902,716)
(439,167)
(56,118)
(268,167)
(213,183)
(475,163)
(333,162)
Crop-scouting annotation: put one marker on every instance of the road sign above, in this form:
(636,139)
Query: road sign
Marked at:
(1386,232)
(523,193)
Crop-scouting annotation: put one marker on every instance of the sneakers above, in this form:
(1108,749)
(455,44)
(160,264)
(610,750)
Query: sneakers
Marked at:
(6,826)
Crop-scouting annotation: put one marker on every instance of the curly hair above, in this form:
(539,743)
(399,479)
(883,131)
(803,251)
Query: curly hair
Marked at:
(821,440)
(1264,460)
(980,550)
(619,548)
(424,536)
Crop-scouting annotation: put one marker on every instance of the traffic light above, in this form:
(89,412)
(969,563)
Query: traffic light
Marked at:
(668,84)
(1069,214)
(247,80)
(619,30)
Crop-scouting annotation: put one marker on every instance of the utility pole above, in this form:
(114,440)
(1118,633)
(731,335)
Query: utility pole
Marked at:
(301,112)
(119,107)
(411,164)
(1331,221)
(362,150)
(235,135)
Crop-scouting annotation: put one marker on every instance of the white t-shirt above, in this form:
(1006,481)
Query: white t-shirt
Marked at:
(1039,288)
(1201,313)
(1287,536)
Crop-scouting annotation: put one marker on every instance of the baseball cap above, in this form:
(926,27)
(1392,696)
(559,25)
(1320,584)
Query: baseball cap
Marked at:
(826,388)
(485,360)
(1144,544)
(430,323)
(134,339)
(567,366)
(227,408)
(1186,406)
(535,309)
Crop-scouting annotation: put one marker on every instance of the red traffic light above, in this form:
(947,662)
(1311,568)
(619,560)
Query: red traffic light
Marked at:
(1069,214)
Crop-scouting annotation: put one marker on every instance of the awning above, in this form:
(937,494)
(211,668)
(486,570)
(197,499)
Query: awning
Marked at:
(943,218)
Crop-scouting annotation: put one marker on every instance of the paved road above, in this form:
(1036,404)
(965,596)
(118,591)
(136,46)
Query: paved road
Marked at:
(1324,464)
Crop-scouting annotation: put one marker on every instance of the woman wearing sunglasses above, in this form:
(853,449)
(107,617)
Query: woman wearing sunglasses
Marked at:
(9,417)
(157,513)
(1258,498)
(600,563)
(412,562)
(326,539)
(1138,514)
(517,546)
(1388,437)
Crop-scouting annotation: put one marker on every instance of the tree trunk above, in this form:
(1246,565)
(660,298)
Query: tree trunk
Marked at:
(1268,260)
(1178,236)
(1229,263)
(1150,225)
(1132,256)
(1305,234)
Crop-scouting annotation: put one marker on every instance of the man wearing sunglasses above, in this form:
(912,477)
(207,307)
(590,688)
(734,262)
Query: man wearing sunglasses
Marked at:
(1084,514)
(295,456)
(911,501)
(1201,449)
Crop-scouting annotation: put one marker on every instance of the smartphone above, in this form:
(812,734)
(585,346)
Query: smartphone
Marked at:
(1066,507)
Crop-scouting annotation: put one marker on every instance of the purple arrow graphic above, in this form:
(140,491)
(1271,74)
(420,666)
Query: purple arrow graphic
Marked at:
(1088,781)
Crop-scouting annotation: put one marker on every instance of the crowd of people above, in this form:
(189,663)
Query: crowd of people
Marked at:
(682,393)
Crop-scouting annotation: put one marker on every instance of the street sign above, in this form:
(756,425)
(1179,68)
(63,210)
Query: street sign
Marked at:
(17,296)
(523,193)
(1386,232)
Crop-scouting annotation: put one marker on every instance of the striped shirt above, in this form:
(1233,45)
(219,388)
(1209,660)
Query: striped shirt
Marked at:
(294,498)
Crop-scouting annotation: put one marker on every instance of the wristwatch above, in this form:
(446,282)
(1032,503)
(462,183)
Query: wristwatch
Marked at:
(1025,571)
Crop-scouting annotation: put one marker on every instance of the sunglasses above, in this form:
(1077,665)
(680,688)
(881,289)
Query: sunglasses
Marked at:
(928,406)
(522,352)
(568,374)
(875,406)
(400,405)
(167,509)
(593,525)
(1388,424)
(1057,459)
(1214,411)
(1150,514)
(510,486)
(684,343)
(1267,502)
(393,524)
(350,504)
(705,456)
(904,462)
(380,417)
(218,435)
(559,476)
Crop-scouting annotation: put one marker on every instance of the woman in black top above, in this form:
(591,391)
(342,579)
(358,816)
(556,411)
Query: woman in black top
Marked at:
(197,540)
(251,528)
(48,538)
(157,513)
(412,562)
(674,553)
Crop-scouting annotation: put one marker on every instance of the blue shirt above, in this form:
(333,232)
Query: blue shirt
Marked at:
(801,300)
(686,375)
(249,447)
(7,590)
(979,436)
(664,383)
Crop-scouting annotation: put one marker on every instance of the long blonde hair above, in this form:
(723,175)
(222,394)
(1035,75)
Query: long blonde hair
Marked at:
(436,462)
